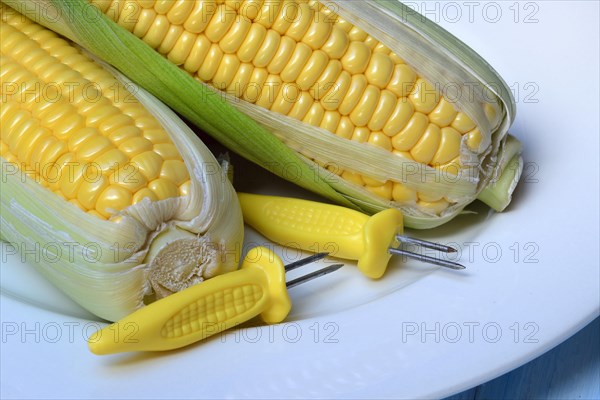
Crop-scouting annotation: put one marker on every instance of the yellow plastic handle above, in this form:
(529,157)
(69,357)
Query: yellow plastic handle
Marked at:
(315,227)
(200,311)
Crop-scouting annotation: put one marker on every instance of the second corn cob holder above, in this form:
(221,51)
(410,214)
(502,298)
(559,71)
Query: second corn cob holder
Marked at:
(259,287)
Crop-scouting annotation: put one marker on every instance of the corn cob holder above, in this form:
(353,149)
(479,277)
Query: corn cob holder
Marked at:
(349,234)
(373,105)
(258,288)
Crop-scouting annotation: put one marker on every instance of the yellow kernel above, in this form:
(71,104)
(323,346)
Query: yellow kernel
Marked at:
(142,194)
(175,171)
(402,194)
(163,188)
(241,80)
(96,214)
(282,56)
(384,191)
(381,140)
(380,70)
(427,146)
(382,48)
(182,48)
(410,135)
(301,106)
(269,92)
(252,43)
(296,64)
(357,58)
(251,8)
(327,79)
(371,42)
(71,178)
(353,177)
(451,168)
(400,117)
(111,160)
(396,59)
(463,123)
(211,63)
(124,133)
(163,6)
(134,146)
(344,25)
(233,40)
(372,181)
(286,98)
(424,97)
(197,55)
(128,177)
(315,115)
(114,122)
(430,198)
(129,14)
(346,128)
(449,147)
(180,11)
(94,147)
(312,70)
(185,189)
(331,121)
(491,112)
(358,85)
(301,22)
(268,13)
(474,140)
(337,44)
(144,22)
(157,135)
(90,190)
(383,111)
(318,32)
(337,92)
(167,151)
(254,89)
(200,16)
(227,70)
(157,32)
(357,34)
(286,15)
(112,200)
(402,81)
(149,164)
(435,207)
(443,114)
(362,113)
(220,23)
(50,154)
(361,134)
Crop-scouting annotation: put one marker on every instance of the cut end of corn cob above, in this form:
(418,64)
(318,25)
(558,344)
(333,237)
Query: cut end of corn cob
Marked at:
(80,138)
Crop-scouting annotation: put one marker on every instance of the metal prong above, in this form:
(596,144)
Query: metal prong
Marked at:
(427,259)
(313,275)
(305,261)
(425,243)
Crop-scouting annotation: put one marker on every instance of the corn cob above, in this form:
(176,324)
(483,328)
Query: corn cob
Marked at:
(81,153)
(366,104)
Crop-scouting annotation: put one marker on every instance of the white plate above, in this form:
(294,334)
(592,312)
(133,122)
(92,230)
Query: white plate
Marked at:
(532,278)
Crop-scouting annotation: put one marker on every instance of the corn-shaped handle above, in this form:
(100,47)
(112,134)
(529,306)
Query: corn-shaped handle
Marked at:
(314,226)
(202,310)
